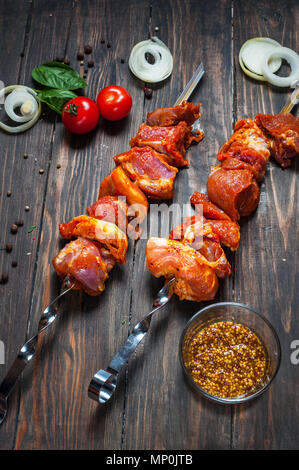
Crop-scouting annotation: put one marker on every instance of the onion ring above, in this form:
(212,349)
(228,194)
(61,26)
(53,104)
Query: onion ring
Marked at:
(291,57)
(28,120)
(162,66)
(251,56)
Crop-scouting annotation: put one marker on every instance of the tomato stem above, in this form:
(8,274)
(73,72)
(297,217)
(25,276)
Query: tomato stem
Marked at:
(72,108)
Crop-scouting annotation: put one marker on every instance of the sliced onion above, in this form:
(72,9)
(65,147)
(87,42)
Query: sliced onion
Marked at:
(145,71)
(293,60)
(251,57)
(30,107)
(25,101)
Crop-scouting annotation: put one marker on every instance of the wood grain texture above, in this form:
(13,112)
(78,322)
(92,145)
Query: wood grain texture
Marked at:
(166,413)
(91,330)
(153,407)
(268,257)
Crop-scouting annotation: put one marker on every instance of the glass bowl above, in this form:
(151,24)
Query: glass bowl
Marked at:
(238,313)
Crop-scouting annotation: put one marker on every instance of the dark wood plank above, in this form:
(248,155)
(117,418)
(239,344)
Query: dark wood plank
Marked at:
(18,35)
(165,412)
(153,407)
(267,260)
(55,411)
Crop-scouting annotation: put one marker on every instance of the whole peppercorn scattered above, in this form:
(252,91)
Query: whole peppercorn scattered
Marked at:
(26,155)
(87,49)
(66,61)
(122,61)
(108,45)
(19,223)
(81,62)
(90,63)
(157,28)
(102,41)
(27,208)
(80,55)
(14,263)
(58,166)
(4,278)
(148,92)
(41,171)
(8,193)
(8,247)
(22,54)
(14,228)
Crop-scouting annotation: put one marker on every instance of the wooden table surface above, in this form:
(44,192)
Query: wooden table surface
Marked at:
(154,408)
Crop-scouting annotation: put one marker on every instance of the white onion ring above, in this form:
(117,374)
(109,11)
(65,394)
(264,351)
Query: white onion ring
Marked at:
(291,57)
(19,98)
(141,68)
(33,117)
(251,56)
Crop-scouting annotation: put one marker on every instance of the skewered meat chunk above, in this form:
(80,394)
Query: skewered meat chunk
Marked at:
(197,232)
(195,276)
(283,130)
(186,111)
(104,232)
(209,210)
(82,262)
(235,191)
(149,170)
(172,141)
(227,231)
(119,184)
(110,208)
(248,148)
(247,136)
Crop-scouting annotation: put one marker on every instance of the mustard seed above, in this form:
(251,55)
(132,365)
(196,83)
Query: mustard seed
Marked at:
(227,359)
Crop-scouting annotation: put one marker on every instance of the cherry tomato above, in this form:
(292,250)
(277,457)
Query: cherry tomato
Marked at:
(80,115)
(114,102)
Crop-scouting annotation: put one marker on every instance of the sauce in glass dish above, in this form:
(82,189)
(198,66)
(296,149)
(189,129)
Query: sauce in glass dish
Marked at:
(227,359)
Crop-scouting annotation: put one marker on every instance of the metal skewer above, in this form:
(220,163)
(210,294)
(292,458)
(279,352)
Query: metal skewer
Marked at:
(294,99)
(27,351)
(104,382)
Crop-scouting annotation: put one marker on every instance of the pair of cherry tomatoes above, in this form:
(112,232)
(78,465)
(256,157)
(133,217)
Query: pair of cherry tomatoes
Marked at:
(81,114)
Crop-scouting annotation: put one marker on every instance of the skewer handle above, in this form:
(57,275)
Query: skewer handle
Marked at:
(26,353)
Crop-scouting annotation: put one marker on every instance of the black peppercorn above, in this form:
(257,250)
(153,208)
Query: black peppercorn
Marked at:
(14,263)
(148,92)
(8,247)
(87,49)
(90,63)
(14,228)
(80,55)
(4,278)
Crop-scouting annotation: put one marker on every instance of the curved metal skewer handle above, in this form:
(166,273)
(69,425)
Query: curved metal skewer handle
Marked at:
(26,353)
(104,382)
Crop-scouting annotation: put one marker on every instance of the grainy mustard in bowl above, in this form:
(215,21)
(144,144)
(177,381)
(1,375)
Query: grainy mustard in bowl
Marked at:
(229,352)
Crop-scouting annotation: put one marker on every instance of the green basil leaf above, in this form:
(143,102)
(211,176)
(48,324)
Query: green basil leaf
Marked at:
(59,76)
(56,99)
